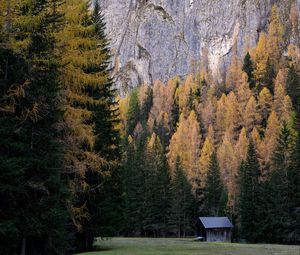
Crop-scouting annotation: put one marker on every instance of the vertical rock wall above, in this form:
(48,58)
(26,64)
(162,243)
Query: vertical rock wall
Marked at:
(158,39)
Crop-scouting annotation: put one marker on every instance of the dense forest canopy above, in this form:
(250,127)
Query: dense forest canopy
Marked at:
(77,162)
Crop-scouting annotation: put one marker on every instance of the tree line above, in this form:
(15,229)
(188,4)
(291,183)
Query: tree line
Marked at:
(59,145)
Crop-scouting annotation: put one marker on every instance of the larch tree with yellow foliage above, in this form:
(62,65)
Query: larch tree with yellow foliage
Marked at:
(268,145)
(265,102)
(92,144)
(185,145)
(206,152)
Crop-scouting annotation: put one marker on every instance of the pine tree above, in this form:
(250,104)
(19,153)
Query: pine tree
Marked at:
(293,204)
(251,115)
(156,197)
(278,187)
(249,192)
(228,161)
(261,58)
(185,144)
(265,100)
(234,74)
(174,116)
(105,202)
(279,105)
(248,69)
(206,153)
(242,145)
(33,189)
(146,105)
(213,188)
(243,94)
(269,143)
(133,187)
(92,141)
(275,41)
(220,117)
(293,87)
(133,112)
(269,76)
(182,202)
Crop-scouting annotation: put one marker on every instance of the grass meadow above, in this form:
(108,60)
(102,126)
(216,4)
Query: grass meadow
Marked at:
(172,246)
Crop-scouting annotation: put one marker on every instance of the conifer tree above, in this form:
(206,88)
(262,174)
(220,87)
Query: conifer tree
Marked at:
(275,40)
(133,112)
(206,153)
(251,115)
(242,145)
(248,69)
(157,196)
(243,94)
(105,202)
(146,105)
(182,203)
(232,116)
(133,187)
(234,74)
(261,58)
(269,143)
(279,105)
(268,78)
(33,190)
(249,192)
(185,144)
(293,87)
(265,100)
(293,204)
(278,187)
(174,116)
(220,117)
(92,151)
(213,187)
(229,164)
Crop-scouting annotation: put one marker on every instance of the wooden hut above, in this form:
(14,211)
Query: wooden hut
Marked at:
(214,229)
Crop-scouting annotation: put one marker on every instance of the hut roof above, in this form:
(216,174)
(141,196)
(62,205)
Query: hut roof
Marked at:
(216,222)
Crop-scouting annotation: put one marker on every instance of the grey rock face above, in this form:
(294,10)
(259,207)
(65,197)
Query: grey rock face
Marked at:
(158,39)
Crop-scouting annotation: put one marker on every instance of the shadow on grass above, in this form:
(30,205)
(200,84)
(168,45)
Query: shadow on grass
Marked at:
(97,248)
(104,244)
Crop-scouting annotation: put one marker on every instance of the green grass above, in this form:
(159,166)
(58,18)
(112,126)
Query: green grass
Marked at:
(171,246)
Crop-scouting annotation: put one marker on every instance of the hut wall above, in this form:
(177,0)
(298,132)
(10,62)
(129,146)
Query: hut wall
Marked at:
(218,235)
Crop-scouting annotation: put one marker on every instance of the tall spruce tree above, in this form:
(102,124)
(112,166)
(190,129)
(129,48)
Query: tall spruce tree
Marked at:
(293,204)
(293,87)
(277,188)
(213,187)
(32,189)
(104,201)
(270,75)
(182,203)
(146,106)
(157,185)
(133,112)
(248,69)
(249,192)
(132,180)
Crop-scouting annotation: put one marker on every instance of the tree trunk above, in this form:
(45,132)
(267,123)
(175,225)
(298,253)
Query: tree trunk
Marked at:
(6,69)
(23,248)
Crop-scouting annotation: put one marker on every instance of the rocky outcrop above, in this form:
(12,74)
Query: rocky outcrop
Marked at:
(158,39)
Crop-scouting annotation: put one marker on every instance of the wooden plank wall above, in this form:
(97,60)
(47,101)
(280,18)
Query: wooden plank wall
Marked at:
(218,235)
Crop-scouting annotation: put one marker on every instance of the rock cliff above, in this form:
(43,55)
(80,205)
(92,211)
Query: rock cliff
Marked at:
(158,39)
